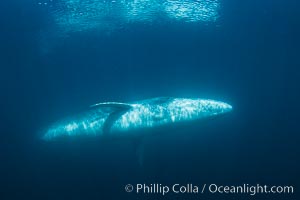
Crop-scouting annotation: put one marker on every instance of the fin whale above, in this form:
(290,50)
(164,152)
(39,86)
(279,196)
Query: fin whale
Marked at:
(122,119)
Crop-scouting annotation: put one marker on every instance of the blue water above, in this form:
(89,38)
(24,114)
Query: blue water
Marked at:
(58,58)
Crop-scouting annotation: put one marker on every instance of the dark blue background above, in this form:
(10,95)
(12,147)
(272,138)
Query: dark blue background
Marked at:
(250,59)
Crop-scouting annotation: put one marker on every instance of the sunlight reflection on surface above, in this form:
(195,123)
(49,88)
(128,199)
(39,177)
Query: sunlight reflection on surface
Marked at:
(85,15)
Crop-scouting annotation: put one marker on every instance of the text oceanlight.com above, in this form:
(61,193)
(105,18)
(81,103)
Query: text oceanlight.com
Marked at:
(157,188)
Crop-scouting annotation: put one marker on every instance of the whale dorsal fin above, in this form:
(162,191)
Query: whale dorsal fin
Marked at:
(115,110)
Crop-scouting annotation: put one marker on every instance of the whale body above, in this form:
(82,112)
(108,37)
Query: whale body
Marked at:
(122,119)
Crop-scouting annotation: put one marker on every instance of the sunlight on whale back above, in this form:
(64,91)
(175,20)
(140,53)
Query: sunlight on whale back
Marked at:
(90,123)
(161,111)
(87,15)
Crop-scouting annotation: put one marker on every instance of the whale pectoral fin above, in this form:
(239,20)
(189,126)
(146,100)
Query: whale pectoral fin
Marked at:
(140,154)
(112,106)
(115,110)
(139,148)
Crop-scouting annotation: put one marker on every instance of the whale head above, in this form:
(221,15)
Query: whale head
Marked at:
(182,109)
